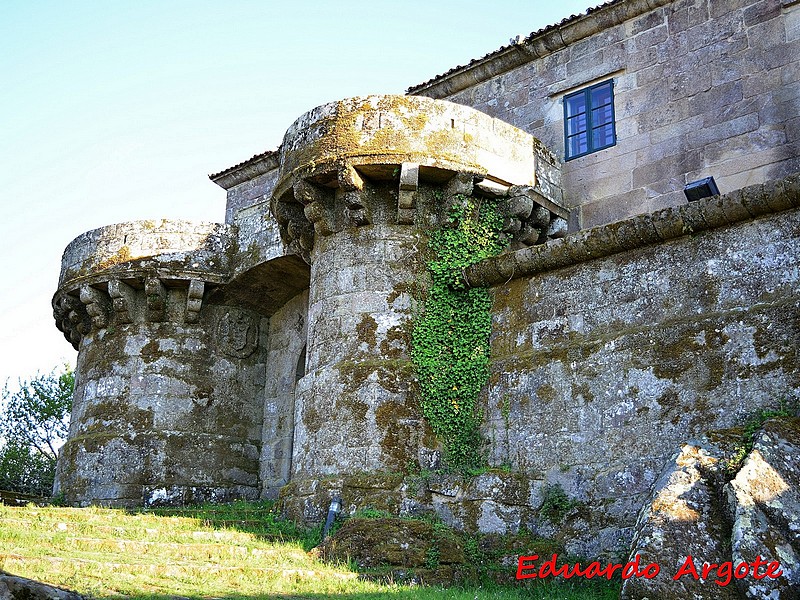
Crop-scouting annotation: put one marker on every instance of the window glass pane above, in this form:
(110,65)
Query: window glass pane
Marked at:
(578,144)
(589,120)
(601,95)
(602,136)
(576,124)
(576,105)
(601,115)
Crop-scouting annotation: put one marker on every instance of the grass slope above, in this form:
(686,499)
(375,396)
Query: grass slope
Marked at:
(238,551)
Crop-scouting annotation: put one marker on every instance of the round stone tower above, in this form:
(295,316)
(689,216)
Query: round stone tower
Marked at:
(166,406)
(361,183)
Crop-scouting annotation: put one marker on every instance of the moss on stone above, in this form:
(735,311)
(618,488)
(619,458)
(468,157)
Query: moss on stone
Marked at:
(366,328)
(400,423)
(397,342)
(429,551)
(398,289)
(546,393)
(150,351)
(313,420)
(392,375)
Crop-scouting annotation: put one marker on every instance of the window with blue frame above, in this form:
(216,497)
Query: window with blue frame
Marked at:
(589,120)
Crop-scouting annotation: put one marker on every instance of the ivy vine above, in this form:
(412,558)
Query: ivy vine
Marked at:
(450,339)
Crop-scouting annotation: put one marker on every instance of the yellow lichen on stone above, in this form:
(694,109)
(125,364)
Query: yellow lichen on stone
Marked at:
(120,256)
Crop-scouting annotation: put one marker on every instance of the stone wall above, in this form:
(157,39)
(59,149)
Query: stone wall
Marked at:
(354,412)
(361,182)
(702,88)
(167,412)
(169,394)
(603,368)
(248,183)
(285,366)
(224,361)
(610,349)
(191,337)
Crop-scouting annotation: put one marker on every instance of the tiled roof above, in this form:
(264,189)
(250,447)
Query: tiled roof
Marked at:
(503,49)
(257,158)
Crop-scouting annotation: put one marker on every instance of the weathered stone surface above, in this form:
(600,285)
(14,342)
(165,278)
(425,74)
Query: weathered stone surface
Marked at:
(764,501)
(603,368)
(682,518)
(412,130)
(172,411)
(20,588)
(248,183)
(396,542)
(222,361)
(695,518)
(638,231)
(141,247)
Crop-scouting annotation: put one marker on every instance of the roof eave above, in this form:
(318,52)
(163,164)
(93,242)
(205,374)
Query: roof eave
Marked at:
(247,170)
(537,45)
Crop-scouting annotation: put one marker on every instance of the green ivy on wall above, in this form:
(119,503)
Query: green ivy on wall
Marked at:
(450,340)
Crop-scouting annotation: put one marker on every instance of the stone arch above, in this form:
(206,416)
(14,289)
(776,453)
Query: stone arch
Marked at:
(300,369)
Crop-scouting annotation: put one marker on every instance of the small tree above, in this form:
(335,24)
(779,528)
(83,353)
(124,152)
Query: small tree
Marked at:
(34,422)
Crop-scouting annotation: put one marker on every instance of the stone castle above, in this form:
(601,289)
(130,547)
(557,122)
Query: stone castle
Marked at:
(269,356)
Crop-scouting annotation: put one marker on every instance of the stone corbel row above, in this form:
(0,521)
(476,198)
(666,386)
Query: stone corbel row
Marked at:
(640,230)
(530,218)
(94,309)
(311,210)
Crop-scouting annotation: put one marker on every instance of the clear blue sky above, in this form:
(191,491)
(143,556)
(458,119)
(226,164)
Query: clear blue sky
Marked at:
(116,111)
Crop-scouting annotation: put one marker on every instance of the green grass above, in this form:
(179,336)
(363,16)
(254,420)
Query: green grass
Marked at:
(237,551)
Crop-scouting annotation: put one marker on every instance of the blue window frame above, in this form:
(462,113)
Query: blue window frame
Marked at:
(589,120)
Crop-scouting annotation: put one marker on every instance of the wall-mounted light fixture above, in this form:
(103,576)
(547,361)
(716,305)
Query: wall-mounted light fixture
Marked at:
(333,510)
(702,188)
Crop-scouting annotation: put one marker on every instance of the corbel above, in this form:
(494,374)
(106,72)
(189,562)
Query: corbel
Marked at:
(156,295)
(122,300)
(194,300)
(351,193)
(98,305)
(407,196)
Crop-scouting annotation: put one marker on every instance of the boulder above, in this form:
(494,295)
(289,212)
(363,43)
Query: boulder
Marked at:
(392,542)
(20,588)
(764,504)
(681,519)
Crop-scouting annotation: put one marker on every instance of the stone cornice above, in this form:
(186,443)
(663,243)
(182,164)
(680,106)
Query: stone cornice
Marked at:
(641,230)
(537,45)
